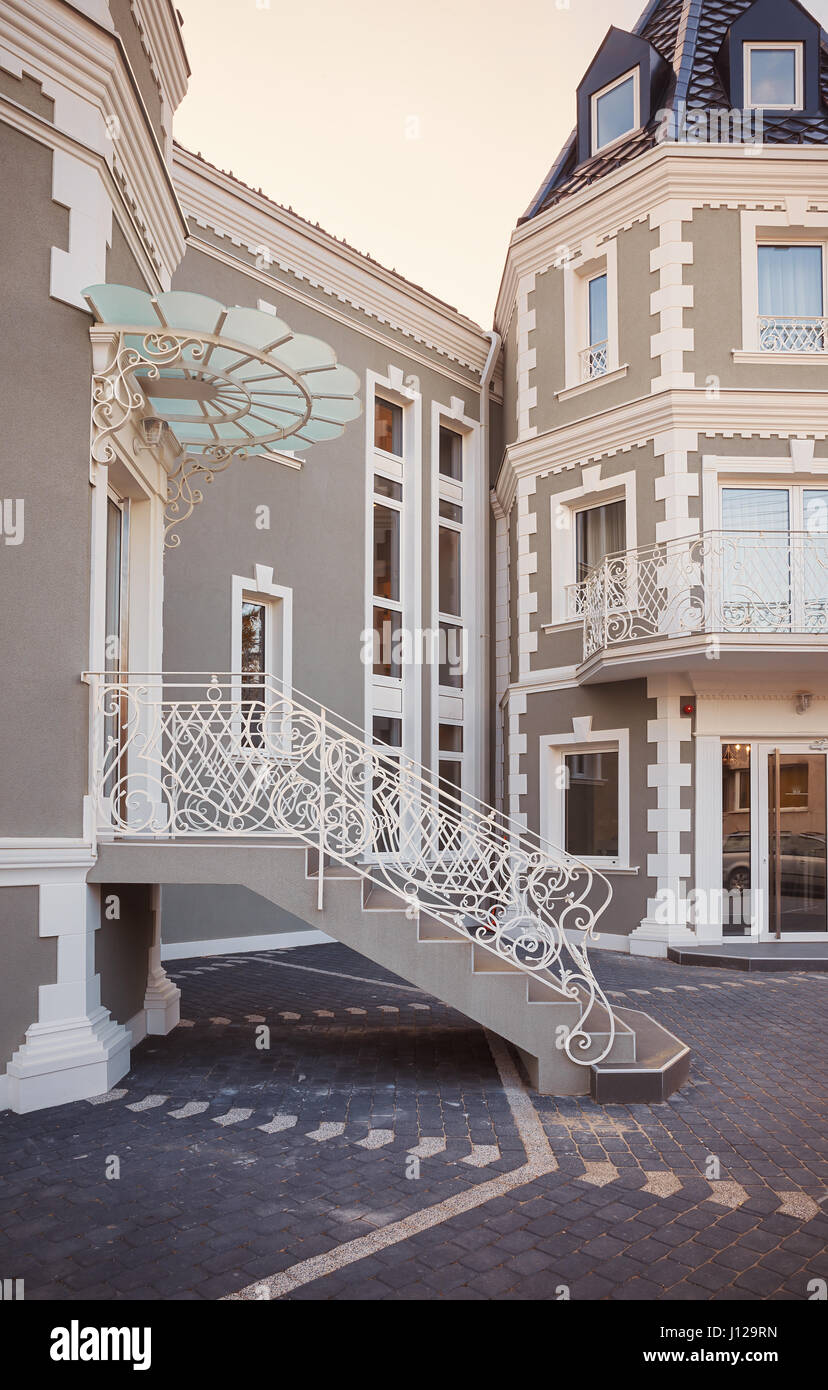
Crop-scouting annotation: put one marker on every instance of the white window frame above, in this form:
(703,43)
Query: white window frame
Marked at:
(775,229)
(635,74)
(579,271)
(400,697)
(450,705)
(594,491)
(796,47)
(277,601)
(554,750)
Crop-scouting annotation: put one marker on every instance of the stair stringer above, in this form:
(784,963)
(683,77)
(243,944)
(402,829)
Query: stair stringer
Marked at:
(516,1005)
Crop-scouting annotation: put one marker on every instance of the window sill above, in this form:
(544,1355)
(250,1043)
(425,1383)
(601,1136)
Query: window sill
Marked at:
(563,625)
(571,392)
(611,866)
(754,358)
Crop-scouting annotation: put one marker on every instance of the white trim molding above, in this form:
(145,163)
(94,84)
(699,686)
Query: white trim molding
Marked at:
(667,914)
(554,749)
(75,1049)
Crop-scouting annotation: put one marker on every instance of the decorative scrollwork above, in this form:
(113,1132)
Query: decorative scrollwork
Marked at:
(717,583)
(202,757)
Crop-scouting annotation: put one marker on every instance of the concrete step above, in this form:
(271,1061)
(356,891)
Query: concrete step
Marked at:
(333,869)
(661,1066)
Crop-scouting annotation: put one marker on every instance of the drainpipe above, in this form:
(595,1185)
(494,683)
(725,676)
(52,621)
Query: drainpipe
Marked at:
(484,524)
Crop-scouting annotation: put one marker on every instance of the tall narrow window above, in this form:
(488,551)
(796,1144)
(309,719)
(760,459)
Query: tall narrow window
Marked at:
(596,357)
(254,666)
(451,454)
(388,427)
(599,532)
(116,570)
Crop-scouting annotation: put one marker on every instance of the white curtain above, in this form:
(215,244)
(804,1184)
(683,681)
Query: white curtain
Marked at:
(791,282)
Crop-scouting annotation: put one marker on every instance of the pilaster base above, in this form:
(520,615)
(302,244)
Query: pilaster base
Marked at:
(653,939)
(70,1059)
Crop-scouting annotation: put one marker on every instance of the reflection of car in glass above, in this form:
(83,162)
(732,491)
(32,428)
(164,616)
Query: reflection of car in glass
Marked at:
(803,863)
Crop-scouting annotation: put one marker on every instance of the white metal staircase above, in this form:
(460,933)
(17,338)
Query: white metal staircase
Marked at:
(434,885)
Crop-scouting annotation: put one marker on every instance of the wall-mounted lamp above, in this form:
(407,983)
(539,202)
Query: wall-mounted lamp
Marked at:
(154,430)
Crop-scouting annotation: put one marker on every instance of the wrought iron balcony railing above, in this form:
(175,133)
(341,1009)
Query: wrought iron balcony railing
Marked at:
(718,583)
(594,361)
(793,334)
(199,757)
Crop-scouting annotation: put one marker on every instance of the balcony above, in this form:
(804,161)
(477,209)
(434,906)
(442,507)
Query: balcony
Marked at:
(739,587)
(793,335)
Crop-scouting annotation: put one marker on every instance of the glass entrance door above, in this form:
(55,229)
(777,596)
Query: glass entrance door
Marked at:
(796,859)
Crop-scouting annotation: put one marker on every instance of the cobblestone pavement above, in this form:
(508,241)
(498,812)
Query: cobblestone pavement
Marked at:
(383,1147)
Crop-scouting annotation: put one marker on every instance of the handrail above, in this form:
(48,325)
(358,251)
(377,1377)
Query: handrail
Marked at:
(186,755)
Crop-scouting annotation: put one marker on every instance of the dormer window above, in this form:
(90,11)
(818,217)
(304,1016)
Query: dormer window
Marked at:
(616,111)
(774,76)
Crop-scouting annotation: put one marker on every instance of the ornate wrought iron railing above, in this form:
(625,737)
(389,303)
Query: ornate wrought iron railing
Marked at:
(594,361)
(793,335)
(716,583)
(198,757)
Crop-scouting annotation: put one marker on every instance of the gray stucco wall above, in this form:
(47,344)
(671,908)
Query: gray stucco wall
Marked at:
(28,961)
(122,949)
(210,913)
(45,369)
(621,705)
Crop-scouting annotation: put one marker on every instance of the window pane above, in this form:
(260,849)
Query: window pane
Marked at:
(773,77)
(451,837)
(791,281)
(253,659)
(449,547)
(451,511)
(452,656)
(451,454)
(756,509)
(387,624)
(592,804)
(386,552)
(600,531)
(386,487)
(598,329)
(253,656)
(388,427)
(816,511)
(451,738)
(388,730)
(616,113)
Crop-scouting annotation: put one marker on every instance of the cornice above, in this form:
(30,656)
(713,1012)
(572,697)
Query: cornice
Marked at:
(695,175)
(216,201)
(746,414)
(73,54)
(363,325)
(163,45)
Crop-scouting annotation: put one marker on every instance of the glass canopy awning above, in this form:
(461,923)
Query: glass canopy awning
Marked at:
(225,382)
(228,380)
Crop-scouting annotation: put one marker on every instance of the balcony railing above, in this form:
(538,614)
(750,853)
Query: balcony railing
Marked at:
(594,361)
(718,583)
(203,758)
(793,335)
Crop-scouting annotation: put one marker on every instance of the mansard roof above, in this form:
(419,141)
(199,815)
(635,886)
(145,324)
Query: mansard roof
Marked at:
(689,35)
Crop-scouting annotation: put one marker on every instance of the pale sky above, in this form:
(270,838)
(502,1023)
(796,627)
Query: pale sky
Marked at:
(417,130)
